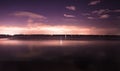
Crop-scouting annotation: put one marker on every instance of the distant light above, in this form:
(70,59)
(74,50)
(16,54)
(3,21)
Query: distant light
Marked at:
(61,42)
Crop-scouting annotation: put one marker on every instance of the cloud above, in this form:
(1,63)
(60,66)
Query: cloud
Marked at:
(29,15)
(117,10)
(94,2)
(98,14)
(73,8)
(105,11)
(105,16)
(101,11)
(91,18)
(69,16)
(86,14)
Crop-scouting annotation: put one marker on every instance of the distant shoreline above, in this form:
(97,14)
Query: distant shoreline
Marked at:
(61,37)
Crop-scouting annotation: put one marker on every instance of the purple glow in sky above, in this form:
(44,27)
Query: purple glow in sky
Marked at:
(60,17)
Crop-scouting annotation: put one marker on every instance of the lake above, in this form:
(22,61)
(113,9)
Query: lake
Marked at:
(60,55)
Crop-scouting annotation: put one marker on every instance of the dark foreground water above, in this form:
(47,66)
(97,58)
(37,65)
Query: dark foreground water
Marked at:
(59,55)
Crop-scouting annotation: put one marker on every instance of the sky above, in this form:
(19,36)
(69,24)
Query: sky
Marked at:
(86,17)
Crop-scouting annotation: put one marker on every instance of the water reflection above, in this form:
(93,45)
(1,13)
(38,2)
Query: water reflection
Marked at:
(44,42)
(28,49)
(86,55)
(51,48)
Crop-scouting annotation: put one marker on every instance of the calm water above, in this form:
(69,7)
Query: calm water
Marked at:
(78,55)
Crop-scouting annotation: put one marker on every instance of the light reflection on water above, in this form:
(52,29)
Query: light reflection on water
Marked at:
(18,46)
(45,42)
(50,49)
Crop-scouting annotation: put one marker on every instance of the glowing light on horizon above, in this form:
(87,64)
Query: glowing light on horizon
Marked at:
(10,30)
(48,29)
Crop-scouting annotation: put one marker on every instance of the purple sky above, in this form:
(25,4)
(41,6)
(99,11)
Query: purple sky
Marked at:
(68,16)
